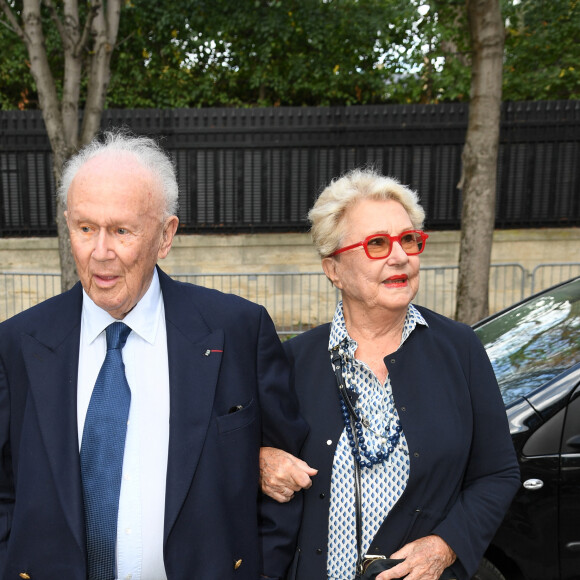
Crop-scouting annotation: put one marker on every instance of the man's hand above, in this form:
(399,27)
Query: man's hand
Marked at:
(282,474)
(425,559)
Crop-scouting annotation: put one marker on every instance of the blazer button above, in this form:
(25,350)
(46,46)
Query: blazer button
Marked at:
(24,575)
(318,551)
(237,564)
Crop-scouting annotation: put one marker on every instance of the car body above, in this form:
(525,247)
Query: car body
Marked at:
(534,347)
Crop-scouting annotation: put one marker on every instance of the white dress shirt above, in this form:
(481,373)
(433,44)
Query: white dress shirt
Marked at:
(142,499)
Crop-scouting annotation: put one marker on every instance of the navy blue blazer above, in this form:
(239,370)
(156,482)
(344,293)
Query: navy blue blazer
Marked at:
(463,468)
(212,527)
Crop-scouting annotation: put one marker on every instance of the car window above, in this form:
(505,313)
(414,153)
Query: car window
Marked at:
(535,341)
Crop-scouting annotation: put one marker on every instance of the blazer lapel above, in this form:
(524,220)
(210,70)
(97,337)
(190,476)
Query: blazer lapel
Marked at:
(51,358)
(195,354)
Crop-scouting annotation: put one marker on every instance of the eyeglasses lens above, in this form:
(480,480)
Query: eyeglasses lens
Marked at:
(412,243)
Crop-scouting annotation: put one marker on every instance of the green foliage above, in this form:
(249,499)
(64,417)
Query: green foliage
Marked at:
(16,88)
(200,53)
(264,52)
(146,67)
(437,54)
(542,54)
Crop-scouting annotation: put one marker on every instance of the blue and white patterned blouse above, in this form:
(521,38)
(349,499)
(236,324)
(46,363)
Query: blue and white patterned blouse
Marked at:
(383,483)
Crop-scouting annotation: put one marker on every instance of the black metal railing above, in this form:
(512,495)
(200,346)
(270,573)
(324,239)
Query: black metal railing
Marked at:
(250,170)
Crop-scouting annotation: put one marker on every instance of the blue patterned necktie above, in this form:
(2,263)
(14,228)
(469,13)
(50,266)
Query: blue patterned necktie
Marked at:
(102,450)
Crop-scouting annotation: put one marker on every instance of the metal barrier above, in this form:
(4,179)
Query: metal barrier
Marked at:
(546,275)
(438,288)
(21,290)
(298,301)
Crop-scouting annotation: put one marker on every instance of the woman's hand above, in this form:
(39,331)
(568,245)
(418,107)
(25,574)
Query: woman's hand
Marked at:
(282,474)
(425,559)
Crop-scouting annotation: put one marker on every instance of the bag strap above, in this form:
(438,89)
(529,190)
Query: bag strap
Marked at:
(337,367)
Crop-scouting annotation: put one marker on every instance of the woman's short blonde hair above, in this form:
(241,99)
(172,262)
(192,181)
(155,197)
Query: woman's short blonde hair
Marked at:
(327,213)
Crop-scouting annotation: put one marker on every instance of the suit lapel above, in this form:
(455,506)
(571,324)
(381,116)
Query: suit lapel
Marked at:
(195,354)
(51,358)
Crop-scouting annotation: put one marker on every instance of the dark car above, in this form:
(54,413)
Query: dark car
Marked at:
(534,347)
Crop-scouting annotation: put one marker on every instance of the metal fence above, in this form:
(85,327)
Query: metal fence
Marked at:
(546,275)
(438,288)
(246,170)
(299,301)
(21,290)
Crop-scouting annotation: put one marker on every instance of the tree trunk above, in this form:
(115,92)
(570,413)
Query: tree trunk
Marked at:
(478,181)
(105,29)
(33,36)
(97,39)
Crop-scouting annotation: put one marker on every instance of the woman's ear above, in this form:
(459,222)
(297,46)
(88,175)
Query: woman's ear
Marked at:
(329,267)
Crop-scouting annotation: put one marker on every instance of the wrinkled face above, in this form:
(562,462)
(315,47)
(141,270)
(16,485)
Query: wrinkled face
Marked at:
(114,215)
(388,284)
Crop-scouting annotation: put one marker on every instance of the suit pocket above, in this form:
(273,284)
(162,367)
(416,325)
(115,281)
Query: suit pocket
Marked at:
(236,459)
(238,419)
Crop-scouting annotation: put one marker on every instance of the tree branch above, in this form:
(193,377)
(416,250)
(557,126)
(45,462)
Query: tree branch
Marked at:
(125,39)
(12,23)
(57,21)
(86,35)
(73,67)
(106,29)
(42,74)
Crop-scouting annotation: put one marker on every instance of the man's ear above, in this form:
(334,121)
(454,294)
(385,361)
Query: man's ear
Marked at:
(167,235)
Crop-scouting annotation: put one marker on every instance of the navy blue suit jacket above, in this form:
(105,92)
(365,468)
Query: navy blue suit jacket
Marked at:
(463,468)
(212,499)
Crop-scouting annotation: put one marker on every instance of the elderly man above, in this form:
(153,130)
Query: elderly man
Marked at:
(133,407)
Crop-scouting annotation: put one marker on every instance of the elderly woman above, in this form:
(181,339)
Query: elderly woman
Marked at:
(408,430)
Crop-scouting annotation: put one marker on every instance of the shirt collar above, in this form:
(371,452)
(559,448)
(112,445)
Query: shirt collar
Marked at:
(143,319)
(339,333)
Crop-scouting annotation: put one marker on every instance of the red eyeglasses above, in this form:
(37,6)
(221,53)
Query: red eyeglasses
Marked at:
(379,246)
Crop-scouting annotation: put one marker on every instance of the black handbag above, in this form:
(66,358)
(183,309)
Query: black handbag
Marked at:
(376,565)
(373,567)
(367,567)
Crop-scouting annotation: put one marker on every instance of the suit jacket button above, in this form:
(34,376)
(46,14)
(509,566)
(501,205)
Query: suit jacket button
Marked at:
(24,575)
(237,564)
(318,551)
